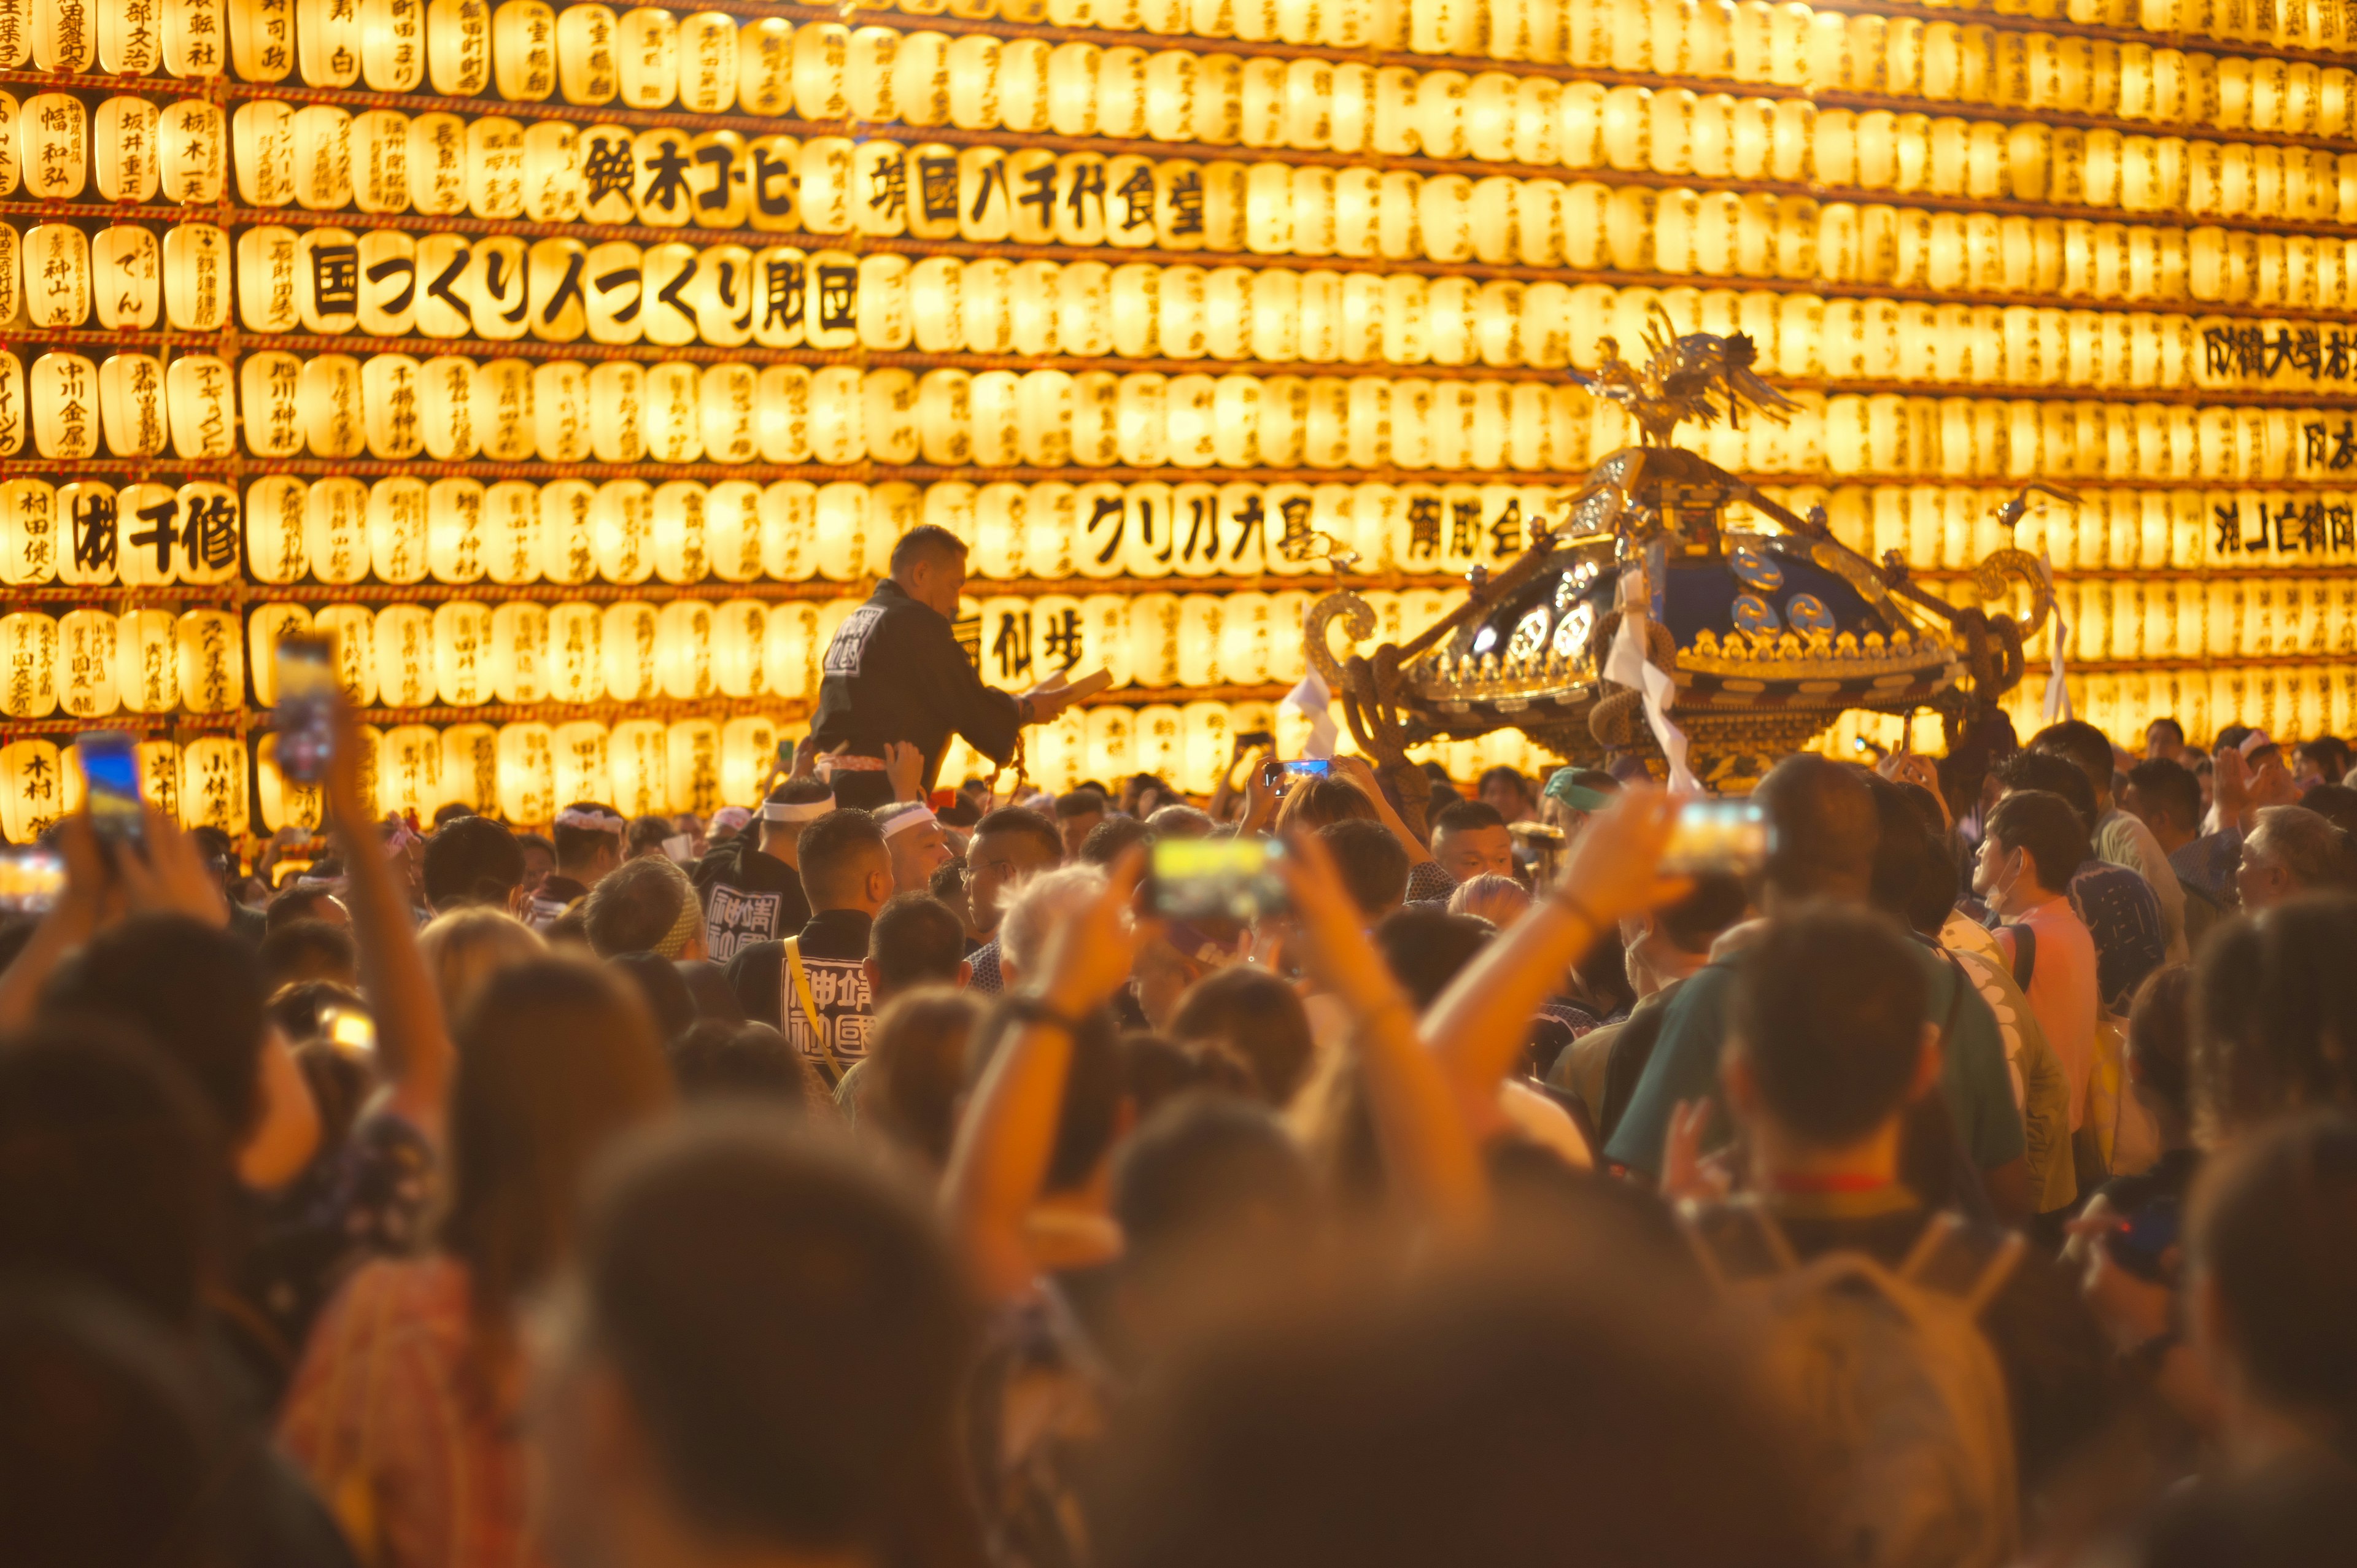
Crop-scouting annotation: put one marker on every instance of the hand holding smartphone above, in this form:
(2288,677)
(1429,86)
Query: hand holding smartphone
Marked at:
(1197,880)
(109,760)
(1280,774)
(305,714)
(1725,837)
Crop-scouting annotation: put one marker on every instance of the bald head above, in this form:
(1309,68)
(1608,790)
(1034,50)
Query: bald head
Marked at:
(1827,828)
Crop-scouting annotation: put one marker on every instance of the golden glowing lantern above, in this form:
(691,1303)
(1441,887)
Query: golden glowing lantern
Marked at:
(692,755)
(214,785)
(527,773)
(740,634)
(403,642)
(637,767)
(790,650)
(577,750)
(683,648)
(34,777)
(748,745)
(282,803)
(264,629)
(211,661)
(464,675)
(409,771)
(631,647)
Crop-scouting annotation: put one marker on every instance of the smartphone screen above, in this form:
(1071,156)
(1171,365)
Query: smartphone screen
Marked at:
(1299,768)
(110,775)
(307,687)
(1730,837)
(1234,879)
(31,877)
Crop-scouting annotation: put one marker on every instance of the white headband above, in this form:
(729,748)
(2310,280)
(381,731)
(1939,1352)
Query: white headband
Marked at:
(595,822)
(916,817)
(795,812)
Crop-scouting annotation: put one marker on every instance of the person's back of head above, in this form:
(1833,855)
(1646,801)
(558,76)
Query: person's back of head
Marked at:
(2048,832)
(833,1442)
(1596,1405)
(1312,801)
(115,1454)
(714,1060)
(1038,908)
(1090,1116)
(1180,822)
(1206,1174)
(1085,801)
(2275,1008)
(300,903)
(2273,1279)
(556,1057)
(916,1067)
(1828,1019)
(1715,902)
(2336,803)
(1826,828)
(2170,790)
(472,860)
(660,987)
(308,950)
(2085,746)
(1499,900)
(589,839)
(1110,839)
(645,836)
(1256,1018)
(2160,1046)
(916,940)
(2052,773)
(1371,864)
(111,1169)
(1426,948)
(845,862)
(798,802)
(1901,847)
(645,905)
(467,947)
(191,989)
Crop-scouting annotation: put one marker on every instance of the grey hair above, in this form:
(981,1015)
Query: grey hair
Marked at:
(1038,906)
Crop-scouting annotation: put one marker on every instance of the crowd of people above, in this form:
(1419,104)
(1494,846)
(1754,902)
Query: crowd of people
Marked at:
(868,1176)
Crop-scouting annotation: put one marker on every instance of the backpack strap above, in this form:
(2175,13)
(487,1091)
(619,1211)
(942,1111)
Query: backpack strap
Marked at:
(2025,955)
(1772,1240)
(799,978)
(1946,1227)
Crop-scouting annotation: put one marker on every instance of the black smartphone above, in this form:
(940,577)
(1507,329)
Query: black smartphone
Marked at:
(306,692)
(1731,837)
(1273,772)
(1234,879)
(109,760)
(1253,740)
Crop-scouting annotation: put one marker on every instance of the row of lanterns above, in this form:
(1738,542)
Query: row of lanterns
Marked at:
(2288,701)
(466,653)
(709,62)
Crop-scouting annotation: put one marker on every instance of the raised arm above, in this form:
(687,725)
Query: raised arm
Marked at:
(412,1043)
(1000,1163)
(79,911)
(1477,1028)
(1358,771)
(1427,1147)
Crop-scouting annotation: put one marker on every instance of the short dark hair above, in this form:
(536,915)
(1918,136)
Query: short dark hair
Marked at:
(2084,744)
(192,989)
(1467,816)
(1901,849)
(1715,901)
(2269,1226)
(1022,819)
(1316,802)
(1829,1004)
(832,847)
(839,1439)
(926,541)
(634,907)
(2053,773)
(915,939)
(2048,829)
(2174,728)
(645,835)
(2171,786)
(2336,803)
(575,843)
(713,1059)
(1111,839)
(659,983)
(1426,948)
(308,949)
(1258,1018)
(110,1168)
(801,792)
(293,904)
(542,842)
(1371,864)
(1084,801)
(1092,1089)
(1211,1168)
(1502,774)
(1826,827)
(2275,1006)
(2160,1037)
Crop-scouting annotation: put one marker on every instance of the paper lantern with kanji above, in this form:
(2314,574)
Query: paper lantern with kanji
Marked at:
(32,532)
(282,803)
(32,789)
(578,749)
(409,771)
(1154,633)
(1206,736)
(790,649)
(683,648)
(464,675)
(748,748)
(632,651)
(87,644)
(1109,750)
(739,630)
(637,766)
(692,749)
(147,661)
(403,642)
(212,785)
(212,661)
(1054,754)
(527,777)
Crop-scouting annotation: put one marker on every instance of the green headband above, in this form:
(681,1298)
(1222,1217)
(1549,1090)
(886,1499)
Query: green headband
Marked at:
(1561,786)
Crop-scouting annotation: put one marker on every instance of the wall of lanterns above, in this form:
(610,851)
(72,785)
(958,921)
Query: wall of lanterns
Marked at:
(575,366)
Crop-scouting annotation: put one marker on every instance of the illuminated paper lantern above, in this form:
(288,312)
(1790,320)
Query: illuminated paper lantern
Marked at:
(632,651)
(622,516)
(740,634)
(212,786)
(464,675)
(527,773)
(574,664)
(789,511)
(352,631)
(470,767)
(568,531)
(748,745)
(1206,744)
(147,661)
(403,647)
(732,528)
(519,653)
(28,651)
(579,754)
(212,661)
(282,803)
(790,650)
(409,771)
(637,768)
(1108,750)
(679,511)
(683,648)
(270,625)
(842,522)
(32,781)
(693,756)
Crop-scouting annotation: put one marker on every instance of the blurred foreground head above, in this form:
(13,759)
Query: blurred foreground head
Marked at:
(761,1355)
